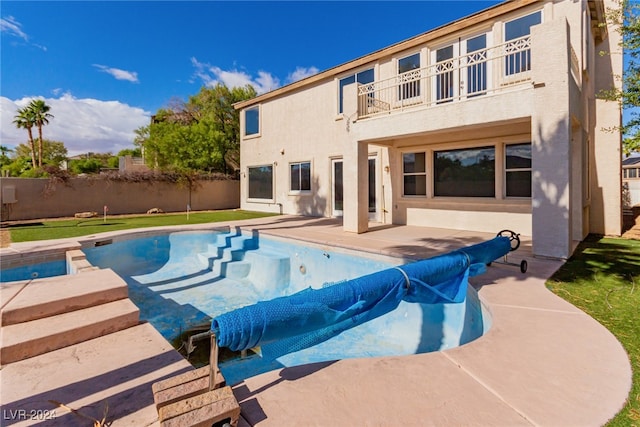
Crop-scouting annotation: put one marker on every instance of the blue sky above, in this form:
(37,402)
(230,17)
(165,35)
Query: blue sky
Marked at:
(106,66)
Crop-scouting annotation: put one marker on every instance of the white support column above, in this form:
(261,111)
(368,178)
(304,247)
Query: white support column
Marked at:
(551,140)
(606,169)
(355,170)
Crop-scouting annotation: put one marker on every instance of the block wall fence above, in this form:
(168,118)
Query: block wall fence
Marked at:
(33,198)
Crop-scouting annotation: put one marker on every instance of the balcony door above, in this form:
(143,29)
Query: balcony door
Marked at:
(460,69)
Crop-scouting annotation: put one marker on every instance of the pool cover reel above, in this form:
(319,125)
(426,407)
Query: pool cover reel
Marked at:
(291,323)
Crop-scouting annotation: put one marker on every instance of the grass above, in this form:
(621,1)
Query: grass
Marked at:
(602,278)
(58,229)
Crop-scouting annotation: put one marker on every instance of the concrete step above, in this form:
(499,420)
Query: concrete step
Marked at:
(56,295)
(270,271)
(227,247)
(23,340)
(236,270)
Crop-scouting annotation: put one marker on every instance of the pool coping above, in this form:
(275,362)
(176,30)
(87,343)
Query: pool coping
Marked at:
(543,362)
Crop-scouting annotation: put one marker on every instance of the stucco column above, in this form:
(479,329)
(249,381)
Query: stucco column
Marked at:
(606,174)
(551,140)
(355,170)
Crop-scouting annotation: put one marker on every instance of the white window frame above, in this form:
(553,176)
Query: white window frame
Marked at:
(273,183)
(244,123)
(464,74)
(506,171)
(354,74)
(301,191)
(424,173)
(410,100)
(505,41)
(455,72)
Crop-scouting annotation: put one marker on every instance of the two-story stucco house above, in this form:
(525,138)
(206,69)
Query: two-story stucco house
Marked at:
(491,122)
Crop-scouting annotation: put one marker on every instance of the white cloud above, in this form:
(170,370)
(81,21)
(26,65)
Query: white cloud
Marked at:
(301,73)
(210,75)
(83,125)
(12,27)
(119,74)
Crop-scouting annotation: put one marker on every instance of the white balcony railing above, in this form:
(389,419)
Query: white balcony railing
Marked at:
(478,73)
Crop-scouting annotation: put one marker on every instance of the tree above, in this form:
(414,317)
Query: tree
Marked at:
(25,120)
(4,158)
(627,19)
(40,113)
(53,152)
(198,135)
(91,165)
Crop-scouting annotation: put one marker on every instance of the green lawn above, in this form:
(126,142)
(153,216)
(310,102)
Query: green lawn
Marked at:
(603,279)
(57,229)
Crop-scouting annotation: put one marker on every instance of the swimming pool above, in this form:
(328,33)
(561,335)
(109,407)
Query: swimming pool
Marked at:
(183,279)
(34,271)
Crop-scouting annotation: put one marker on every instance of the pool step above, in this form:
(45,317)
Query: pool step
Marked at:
(236,270)
(51,313)
(55,295)
(270,271)
(227,247)
(23,340)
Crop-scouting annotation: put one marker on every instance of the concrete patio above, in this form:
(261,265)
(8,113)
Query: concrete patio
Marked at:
(543,362)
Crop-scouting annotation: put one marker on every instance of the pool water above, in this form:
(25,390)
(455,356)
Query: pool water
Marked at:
(34,271)
(183,280)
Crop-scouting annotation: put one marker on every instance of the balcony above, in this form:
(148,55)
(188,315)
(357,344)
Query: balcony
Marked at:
(501,68)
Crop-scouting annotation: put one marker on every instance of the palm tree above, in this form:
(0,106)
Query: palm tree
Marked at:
(41,116)
(25,120)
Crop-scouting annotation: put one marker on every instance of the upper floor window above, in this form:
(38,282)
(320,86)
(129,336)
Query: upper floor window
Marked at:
(518,170)
(406,65)
(414,171)
(300,176)
(468,172)
(362,77)
(513,31)
(476,61)
(444,74)
(252,121)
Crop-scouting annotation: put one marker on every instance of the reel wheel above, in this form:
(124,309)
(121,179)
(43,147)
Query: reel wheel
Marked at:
(514,238)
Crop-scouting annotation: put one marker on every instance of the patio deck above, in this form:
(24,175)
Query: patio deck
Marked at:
(543,362)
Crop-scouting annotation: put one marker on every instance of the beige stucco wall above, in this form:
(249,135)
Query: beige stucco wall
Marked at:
(82,195)
(556,111)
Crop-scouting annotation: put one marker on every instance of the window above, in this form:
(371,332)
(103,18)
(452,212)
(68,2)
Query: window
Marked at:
(468,172)
(407,71)
(518,170)
(444,74)
(300,177)
(476,65)
(513,30)
(363,77)
(414,172)
(252,121)
(261,182)
(633,173)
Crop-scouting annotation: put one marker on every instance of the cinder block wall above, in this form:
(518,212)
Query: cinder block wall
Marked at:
(36,200)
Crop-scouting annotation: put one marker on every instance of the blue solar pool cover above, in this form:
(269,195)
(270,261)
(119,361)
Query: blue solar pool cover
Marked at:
(291,323)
